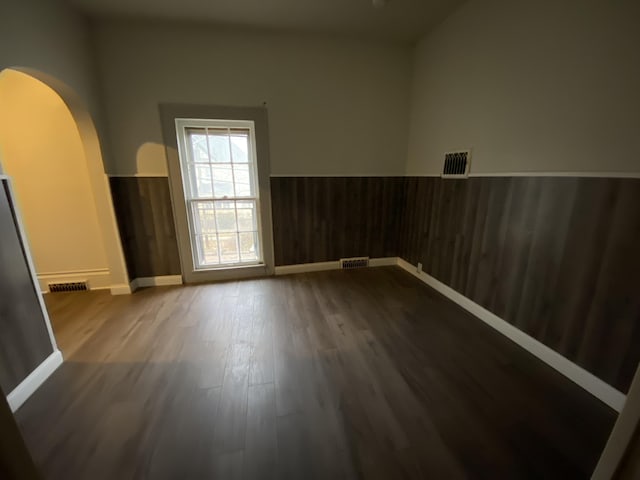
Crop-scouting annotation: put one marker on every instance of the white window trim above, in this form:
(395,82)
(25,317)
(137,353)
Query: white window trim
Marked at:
(181,125)
(168,113)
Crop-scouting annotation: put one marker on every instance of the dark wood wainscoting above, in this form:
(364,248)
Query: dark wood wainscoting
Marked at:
(556,257)
(630,467)
(24,338)
(145,220)
(319,219)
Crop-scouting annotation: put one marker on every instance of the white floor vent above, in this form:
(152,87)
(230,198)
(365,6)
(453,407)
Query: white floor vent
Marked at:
(356,262)
(68,287)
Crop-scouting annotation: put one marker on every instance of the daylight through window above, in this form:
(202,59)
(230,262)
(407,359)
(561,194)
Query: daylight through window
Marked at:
(220,180)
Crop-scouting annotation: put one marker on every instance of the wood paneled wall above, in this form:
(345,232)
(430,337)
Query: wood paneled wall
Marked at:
(629,469)
(24,338)
(15,460)
(559,258)
(318,219)
(145,220)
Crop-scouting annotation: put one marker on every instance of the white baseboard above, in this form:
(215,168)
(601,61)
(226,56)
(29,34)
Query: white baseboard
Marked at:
(97,279)
(121,289)
(307,267)
(592,384)
(383,262)
(163,280)
(25,389)
(334,265)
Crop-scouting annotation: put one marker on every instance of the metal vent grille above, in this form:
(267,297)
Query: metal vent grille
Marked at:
(359,262)
(68,287)
(456,164)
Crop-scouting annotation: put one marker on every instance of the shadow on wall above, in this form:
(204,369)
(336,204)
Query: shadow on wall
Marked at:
(98,191)
(151,160)
(142,202)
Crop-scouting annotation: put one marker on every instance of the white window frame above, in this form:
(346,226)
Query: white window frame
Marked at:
(181,125)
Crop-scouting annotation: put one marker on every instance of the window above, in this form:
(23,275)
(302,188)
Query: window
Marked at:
(219,174)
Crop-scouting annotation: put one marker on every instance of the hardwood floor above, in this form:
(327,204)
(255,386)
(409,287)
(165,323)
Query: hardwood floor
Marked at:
(344,374)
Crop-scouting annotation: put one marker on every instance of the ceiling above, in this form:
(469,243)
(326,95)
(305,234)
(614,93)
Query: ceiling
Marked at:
(399,20)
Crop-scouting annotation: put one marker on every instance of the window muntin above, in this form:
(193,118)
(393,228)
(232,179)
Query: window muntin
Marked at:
(219,171)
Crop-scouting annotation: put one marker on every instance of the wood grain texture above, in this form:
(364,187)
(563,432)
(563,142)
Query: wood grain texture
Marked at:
(629,469)
(347,374)
(24,338)
(556,257)
(15,459)
(145,220)
(318,219)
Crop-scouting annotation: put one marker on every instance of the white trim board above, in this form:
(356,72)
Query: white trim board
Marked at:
(408,175)
(559,174)
(471,174)
(592,384)
(141,175)
(159,281)
(121,289)
(334,265)
(336,175)
(307,267)
(532,174)
(34,380)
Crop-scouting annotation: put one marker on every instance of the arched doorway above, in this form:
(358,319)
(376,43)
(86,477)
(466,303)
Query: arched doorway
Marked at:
(87,183)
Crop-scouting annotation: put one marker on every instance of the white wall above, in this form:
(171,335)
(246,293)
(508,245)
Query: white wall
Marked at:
(44,156)
(336,106)
(50,37)
(541,85)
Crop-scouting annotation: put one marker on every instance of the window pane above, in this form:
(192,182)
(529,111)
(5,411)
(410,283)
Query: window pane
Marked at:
(221,191)
(207,249)
(201,181)
(248,246)
(204,217)
(229,248)
(226,217)
(198,140)
(242,180)
(219,146)
(246,216)
(240,147)
(222,180)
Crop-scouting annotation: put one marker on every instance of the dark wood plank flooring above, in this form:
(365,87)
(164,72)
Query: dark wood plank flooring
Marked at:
(345,374)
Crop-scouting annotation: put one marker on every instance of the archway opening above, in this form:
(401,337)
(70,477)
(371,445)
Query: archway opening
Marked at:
(50,150)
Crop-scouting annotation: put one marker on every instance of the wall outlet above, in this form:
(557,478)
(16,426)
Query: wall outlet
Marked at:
(419,268)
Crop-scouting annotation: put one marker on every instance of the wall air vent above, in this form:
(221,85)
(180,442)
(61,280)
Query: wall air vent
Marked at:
(68,287)
(456,164)
(357,262)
